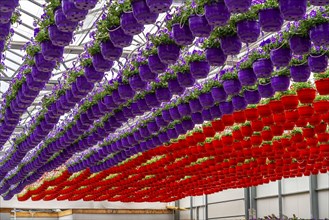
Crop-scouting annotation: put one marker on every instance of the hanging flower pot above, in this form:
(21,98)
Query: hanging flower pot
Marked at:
(51,52)
(199,26)
(168,53)
(292,115)
(293,10)
(136,83)
(73,13)
(142,105)
(251,114)
(266,90)
(276,106)
(300,45)
(151,100)
(195,105)
(39,76)
(185,79)
(264,110)
(182,35)
(280,83)
(174,113)
(42,64)
(34,85)
(321,106)
(248,31)
(92,74)
(215,111)
(257,125)
(300,73)
(218,94)
(262,68)
(2,45)
(215,56)
(267,135)
(231,45)
(319,2)
(157,6)
(320,34)
(142,12)
(305,111)
(146,74)
(85,4)
(270,19)
(217,13)
(5,17)
(289,102)
(247,77)
(100,64)
(119,38)
(252,96)
(199,69)
(188,124)
(239,6)
(306,95)
(280,57)
(4,31)
(59,38)
(174,87)
(155,64)
(109,51)
(226,108)
(130,25)
(184,109)
(163,94)
(62,23)
(125,91)
(206,100)
(239,103)
(206,115)
(318,64)
(8,5)
(322,86)
(232,86)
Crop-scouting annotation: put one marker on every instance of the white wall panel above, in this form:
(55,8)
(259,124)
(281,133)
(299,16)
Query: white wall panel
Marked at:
(295,184)
(121,217)
(267,189)
(323,180)
(323,204)
(4,216)
(298,205)
(185,202)
(185,215)
(226,195)
(267,207)
(226,209)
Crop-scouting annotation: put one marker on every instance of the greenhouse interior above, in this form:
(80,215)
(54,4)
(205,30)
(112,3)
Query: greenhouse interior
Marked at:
(164,109)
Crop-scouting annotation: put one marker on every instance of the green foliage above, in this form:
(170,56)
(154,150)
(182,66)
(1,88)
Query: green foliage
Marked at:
(42,36)
(163,39)
(86,62)
(319,76)
(252,57)
(197,56)
(281,72)
(94,49)
(298,61)
(180,68)
(322,98)
(302,85)
(229,76)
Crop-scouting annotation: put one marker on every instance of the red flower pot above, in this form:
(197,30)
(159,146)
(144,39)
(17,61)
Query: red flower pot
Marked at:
(227,140)
(239,117)
(237,135)
(267,135)
(267,121)
(306,95)
(257,125)
(308,132)
(251,114)
(218,125)
(246,131)
(323,137)
(277,130)
(292,115)
(321,106)
(320,128)
(301,122)
(315,119)
(289,102)
(228,120)
(322,86)
(279,118)
(276,106)
(264,110)
(209,131)
(305,111)
(289,125)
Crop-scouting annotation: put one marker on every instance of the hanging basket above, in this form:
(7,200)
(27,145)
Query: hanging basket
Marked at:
(110,52)
(199,26)
(182,35)
(293,10)
(142,12)
(215,56)
(270,19)
(248,31)
(217,13)
(130,25)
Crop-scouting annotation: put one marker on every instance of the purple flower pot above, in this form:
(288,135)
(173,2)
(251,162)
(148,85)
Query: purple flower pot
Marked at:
(110,52)
(163,94)
(83,85)
(300,73)
(232,86)
(135,109)
(320,34)
(51,52)
(180,129)
(319,2)
(119,38)
(151,100)
(59,38)
(62,23)
(206,100)
(199,26)
(174,113)
(100,64)
(155,64)
(160,121)
(262,68)
(164,137)
(157,6)
(136,83)
(185,79)
(199,69)
(197,118)
(248,31)
(174,87)
(293,10)
(218,94)
(142,12)
(8,5)
(206,115)
(239,103)
(184,109)
(166,115)
(142,105)
(195,105)
(266,90)
(152,127)
(215,56)
(231,45)
(125,91)
(252,96)
(34,85)
(215,112)
(42,64)
(280,83)
(39,76)
(318,64)
(85,4)
(217,13)
(5,17)
(144,132)
(270,19)
(247,77)
(146,74)
(226,108)
(172,133)
(168,53)
(93,75)
(238,6)
(2,45)
(280,57)
(4,30)
(130,25)
(73,13)
(300,45)
(188,124)
(182,35)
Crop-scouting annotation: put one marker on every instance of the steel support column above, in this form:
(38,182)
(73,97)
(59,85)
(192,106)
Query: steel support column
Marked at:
(253,201)
(314,197)
(177,214)
(246,202)
(206,207)
(191,208)
(280,198)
